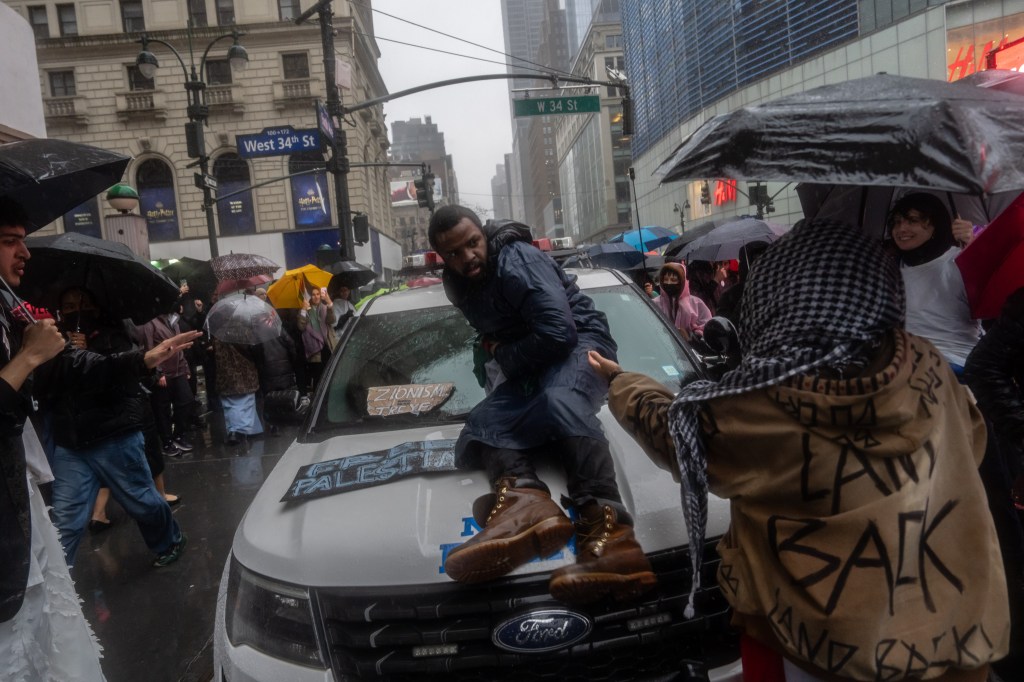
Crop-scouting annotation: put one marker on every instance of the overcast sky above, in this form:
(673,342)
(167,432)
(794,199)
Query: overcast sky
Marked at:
(474,117)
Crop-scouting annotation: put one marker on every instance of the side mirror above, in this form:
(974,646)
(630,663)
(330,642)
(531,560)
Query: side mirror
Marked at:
(721,336)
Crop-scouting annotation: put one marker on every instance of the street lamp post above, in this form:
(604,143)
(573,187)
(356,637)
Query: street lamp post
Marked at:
(197,110)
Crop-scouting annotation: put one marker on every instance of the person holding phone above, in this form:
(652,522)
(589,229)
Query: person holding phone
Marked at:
(316,323)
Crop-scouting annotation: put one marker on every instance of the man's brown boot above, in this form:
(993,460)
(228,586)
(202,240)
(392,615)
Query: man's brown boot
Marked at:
(609,561)
(524,523)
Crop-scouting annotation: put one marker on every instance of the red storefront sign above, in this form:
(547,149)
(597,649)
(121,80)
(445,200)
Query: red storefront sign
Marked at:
(725,190)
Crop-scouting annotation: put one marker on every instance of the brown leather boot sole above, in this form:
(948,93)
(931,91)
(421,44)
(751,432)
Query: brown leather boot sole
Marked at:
(490,559)
(586,588)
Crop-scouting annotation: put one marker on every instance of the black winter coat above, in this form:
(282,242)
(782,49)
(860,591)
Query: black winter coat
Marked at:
(276,360)
(995,372)
(94,412)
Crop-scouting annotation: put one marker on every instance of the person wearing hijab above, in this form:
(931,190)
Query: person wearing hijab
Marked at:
(860,544)
(937,309)
(688,313)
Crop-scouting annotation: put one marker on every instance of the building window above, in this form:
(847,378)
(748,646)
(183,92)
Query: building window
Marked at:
(40,24)
(197,12)
(613,41)
(136,81)
(131,16)
(218,72)
(62,83)
(235,215)
(67,20)
(296,65)
(288,9)
(225,12)
(157,202)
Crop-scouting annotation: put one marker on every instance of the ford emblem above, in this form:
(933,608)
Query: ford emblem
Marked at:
(539,631)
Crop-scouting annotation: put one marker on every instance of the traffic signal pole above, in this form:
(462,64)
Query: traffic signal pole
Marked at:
(338,165)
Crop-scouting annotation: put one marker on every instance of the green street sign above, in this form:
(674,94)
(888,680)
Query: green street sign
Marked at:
(549,106)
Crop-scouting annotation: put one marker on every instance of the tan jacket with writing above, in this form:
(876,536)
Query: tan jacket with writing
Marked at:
(861,545)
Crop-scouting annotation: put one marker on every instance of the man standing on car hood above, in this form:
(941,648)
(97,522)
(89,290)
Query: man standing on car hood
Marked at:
(535,329)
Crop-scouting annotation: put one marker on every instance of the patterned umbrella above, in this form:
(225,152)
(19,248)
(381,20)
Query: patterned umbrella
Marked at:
(240,266)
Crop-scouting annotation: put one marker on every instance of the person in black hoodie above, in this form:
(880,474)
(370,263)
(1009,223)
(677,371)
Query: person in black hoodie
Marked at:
(535,328)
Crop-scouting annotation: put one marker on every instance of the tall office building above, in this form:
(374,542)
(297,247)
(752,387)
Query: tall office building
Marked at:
(535,41)
(688,60)
(420,143)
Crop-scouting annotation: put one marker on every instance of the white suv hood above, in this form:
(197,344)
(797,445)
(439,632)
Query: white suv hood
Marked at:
(396,533)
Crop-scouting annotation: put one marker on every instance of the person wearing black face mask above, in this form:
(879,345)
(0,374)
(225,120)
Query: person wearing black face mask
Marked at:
(688,313)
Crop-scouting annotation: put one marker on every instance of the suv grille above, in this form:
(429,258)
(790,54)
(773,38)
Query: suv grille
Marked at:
(371,634)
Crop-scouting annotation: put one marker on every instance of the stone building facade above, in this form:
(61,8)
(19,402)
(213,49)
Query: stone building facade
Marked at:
(94,93)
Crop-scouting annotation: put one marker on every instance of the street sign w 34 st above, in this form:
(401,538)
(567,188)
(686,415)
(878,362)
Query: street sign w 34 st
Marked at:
(548,106)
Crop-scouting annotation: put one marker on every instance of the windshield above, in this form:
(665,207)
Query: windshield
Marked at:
(412,352)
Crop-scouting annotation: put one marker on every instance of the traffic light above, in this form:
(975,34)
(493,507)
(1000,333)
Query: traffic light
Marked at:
(423,195)
(705,193)
(428,181)
(360,228)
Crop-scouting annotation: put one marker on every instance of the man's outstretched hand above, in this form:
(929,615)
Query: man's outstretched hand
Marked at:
(603,366)
(169,347)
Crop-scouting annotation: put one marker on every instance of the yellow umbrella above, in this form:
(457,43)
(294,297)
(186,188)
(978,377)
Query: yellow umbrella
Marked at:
(290,290)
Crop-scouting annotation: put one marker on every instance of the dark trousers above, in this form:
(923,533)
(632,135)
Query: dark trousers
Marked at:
(177,394)
(589,469)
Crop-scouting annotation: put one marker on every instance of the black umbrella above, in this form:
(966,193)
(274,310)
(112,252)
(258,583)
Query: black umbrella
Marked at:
(671,251)
(879,130)
(235,266)
(124,285)
(869,206)
(725,241)
(615,255)
(198,274)
(349,273)
(48,178)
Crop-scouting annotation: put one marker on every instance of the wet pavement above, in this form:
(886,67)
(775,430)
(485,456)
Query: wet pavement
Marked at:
(156,624)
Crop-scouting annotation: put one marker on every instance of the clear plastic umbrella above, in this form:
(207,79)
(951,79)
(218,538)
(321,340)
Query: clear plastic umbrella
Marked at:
(243,319)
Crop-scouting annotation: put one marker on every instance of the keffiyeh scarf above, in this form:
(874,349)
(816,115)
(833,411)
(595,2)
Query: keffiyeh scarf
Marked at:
(817,298)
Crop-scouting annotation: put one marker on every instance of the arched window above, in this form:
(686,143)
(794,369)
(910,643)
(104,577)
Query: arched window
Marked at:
(154,180)
(311,204)
(235,215)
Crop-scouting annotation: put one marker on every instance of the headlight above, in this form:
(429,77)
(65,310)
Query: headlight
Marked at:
(271,617)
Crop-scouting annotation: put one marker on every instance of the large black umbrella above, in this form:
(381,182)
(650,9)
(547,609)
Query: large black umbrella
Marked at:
(725,241)
(879,130)
(349,273)
(198,274)
(671,251)
(124,285)
(615,255)
(869,206)
(48,178)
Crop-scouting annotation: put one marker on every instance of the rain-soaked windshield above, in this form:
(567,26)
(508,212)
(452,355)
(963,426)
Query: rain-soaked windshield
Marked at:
(410,352)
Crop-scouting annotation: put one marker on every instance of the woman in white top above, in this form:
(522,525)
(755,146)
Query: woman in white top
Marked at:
(937,307)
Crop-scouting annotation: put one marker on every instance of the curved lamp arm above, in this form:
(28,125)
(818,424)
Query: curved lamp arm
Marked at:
(202,62)
(146,40)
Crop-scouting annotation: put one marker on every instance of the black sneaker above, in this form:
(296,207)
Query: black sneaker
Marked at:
(171,451)
(173,554)
(182,444)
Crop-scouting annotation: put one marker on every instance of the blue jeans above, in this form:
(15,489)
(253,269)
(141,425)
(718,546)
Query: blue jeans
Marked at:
(118,463)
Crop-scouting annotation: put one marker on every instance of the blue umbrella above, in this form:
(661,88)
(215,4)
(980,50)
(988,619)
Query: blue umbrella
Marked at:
(646,238)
